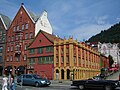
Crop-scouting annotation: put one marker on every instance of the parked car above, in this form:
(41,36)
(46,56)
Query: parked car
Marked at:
(96,84)
(32,79)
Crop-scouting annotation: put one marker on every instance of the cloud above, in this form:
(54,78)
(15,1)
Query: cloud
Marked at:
(85,31)
(8,8)
(101,20)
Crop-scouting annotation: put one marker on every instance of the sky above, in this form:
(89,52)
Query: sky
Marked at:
(80,19)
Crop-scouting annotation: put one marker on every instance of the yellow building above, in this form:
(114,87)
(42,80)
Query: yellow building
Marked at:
(74,60)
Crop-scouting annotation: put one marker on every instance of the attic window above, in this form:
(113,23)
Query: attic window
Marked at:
(39,40)
(20,19)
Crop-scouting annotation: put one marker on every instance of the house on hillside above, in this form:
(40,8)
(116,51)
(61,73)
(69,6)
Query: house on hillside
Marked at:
(110,49)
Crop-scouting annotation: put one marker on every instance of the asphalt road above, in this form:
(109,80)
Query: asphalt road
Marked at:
(60,86)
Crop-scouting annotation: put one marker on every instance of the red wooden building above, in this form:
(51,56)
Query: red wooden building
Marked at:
(41,55)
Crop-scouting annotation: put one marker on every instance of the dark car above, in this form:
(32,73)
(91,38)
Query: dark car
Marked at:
(32,79)
(96,84)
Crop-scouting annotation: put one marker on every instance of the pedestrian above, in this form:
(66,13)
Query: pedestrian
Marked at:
(9,81)
(12,81)
(5,83)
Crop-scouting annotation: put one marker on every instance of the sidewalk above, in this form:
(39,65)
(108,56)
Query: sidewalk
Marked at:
(66,82)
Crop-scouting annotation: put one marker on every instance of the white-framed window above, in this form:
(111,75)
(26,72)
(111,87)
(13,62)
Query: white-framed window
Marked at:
(12,48)
(26,26)
(12,38)
(11,58)
(17,28)
(7,58)
(22,26)
(14,29)
(9,39)
(8,48)
(25,47)
(25,57)
(26,36)
(31,35)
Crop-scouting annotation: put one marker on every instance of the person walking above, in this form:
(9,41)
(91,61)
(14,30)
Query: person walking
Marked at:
(5,83)
(9,81)
(12,81)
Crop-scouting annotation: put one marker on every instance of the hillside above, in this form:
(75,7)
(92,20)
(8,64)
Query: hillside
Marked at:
(111,35)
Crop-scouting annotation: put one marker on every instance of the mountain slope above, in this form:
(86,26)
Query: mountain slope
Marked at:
(111,35)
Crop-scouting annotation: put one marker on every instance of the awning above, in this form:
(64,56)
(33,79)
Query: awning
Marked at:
(21,68)
(8,68)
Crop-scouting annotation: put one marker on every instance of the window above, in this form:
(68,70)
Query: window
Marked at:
(26,26)
(0,32)
(9,39)
(7,58)
(12,38)
(67,50)
(0,58)
(12,48)
(56,59)
(25,47)
(18,58)
(28,76)
(31,61)
(45,60)
(31,35)
(49,49)
(20,19)
(1,48)
(40,50)
(62,50)
(31,51)
(17,37)
(62,60)
(11,58)
(14,29)
(25,57)
(23,27)
(17,28)
(26,36)
(8,48)
(40,60)
(74,59)
(67,59)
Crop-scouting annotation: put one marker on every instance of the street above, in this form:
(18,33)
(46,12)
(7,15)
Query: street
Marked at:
(56,85)
(51,87)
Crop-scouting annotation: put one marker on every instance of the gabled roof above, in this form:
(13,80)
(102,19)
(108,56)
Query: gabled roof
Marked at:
(50,37)
(5,20)
(28,13)
(35,18)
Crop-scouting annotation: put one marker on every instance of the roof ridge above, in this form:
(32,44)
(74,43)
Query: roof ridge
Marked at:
(3,22)
(27,13)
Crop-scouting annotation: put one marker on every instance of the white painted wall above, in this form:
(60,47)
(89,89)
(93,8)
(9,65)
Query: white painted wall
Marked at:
(110,49)
(43,24)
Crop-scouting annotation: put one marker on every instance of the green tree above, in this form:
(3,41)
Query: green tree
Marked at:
(111,61)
